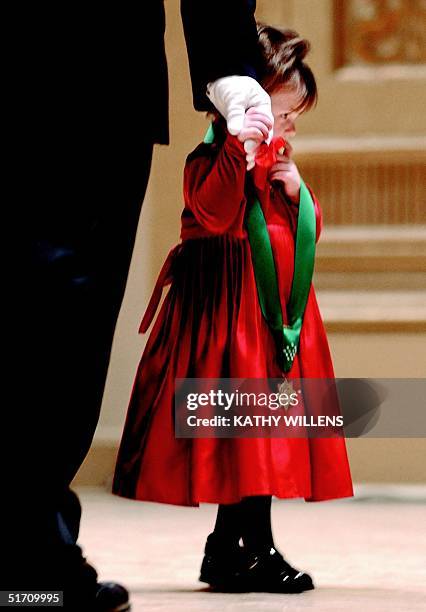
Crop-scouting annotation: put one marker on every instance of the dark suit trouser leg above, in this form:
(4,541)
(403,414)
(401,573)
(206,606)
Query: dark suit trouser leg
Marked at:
(83,233)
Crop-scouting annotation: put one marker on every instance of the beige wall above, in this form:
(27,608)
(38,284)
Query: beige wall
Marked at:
(347,107)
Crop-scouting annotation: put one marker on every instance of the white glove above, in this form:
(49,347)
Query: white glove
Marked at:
(232,96)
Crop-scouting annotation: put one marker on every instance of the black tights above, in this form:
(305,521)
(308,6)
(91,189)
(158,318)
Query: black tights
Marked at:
(249,519)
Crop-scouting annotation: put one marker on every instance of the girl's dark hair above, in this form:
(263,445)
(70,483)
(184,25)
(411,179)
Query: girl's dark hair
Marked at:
(283,53)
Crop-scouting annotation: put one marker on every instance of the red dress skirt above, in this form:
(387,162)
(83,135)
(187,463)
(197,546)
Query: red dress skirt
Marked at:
(210,326)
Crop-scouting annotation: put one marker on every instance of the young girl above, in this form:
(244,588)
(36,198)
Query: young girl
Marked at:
(211,326)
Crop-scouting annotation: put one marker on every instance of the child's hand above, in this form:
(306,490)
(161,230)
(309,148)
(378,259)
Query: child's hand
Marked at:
(285,170)
(256,128)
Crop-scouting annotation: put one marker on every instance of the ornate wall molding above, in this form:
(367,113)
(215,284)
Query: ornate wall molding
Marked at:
(379,32)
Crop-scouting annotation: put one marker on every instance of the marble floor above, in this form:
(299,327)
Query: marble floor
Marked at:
(366,553)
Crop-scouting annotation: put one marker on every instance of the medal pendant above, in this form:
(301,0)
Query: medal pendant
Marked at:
(286,387)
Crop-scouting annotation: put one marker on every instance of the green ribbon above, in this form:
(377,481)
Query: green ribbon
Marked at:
(286,336)
(209,137)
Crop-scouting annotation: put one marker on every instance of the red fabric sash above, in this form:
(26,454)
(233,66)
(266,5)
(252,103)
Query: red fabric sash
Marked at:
(165,278)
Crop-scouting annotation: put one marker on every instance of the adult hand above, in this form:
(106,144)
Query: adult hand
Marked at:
(233,95)
(285,171)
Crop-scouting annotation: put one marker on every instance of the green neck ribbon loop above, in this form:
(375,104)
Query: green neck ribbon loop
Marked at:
(286,336)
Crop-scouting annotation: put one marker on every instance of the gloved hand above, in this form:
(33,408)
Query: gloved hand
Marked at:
(232,96)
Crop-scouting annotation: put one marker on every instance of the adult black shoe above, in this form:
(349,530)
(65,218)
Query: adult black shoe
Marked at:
(222,565)
(111,597)
(83,592)
(268,572)
(105,597)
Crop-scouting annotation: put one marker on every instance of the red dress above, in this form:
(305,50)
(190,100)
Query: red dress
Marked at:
(210,326)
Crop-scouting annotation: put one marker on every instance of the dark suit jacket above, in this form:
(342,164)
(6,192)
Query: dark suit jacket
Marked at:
(221,39)
(91,69)
(87,114)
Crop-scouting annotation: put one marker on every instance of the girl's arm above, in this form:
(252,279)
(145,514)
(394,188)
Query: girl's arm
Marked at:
(214,186)
(285,171)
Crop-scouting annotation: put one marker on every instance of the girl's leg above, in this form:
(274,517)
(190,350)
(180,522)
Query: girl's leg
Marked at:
(255,518)
(223,557)
(228,527)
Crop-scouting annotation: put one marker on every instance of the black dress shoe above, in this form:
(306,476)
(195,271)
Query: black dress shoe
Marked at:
(233,569)
(111,597)
(268,572)
(103,597)
(222,565)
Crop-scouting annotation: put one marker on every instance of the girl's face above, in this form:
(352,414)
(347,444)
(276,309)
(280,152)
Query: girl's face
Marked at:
(284,101)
